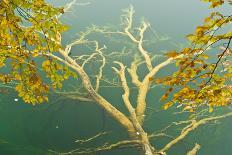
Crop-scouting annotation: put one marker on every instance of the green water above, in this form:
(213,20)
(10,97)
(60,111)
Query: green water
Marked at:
(28,130)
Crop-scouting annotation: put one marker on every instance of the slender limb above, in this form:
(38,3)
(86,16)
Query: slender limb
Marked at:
(81,141)
(159,135)
(194,150)
(105,147)
(128,21)
(140,45)
(188,129)
(69,5)
(133,72)
(100,73)
(125,87)
(77,97)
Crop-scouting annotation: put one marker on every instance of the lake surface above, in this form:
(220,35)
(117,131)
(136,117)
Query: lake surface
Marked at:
(56,125)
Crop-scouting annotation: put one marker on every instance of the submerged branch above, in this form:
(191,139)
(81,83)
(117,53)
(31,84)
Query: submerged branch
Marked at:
(105,147)
(188,129)
(195,149)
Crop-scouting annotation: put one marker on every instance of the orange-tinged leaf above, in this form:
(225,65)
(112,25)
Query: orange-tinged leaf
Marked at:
(207,19)
(171,54)
(164,97)
(167,105)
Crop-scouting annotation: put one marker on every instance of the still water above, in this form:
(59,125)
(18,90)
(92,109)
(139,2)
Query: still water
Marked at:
(56,125)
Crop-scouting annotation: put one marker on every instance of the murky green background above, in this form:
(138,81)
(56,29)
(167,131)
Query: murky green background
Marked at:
(28,130)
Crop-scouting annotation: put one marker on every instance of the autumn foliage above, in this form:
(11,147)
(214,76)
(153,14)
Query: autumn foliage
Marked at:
(204,70)
(28,31)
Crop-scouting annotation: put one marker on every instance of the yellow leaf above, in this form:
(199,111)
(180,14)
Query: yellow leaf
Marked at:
(207,19)
(171,54)
(210,109)
(188,108)
(191,37)
(167,105)
(46,63)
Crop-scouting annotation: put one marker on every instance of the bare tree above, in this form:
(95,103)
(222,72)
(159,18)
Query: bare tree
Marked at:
(135,73)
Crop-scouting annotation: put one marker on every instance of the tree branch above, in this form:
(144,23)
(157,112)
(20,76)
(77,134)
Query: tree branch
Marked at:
(188,129)
(194,150)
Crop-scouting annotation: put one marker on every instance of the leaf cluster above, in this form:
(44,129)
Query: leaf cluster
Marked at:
(29,30)
(204,73)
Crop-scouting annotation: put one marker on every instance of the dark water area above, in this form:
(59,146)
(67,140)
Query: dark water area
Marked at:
(56,125)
